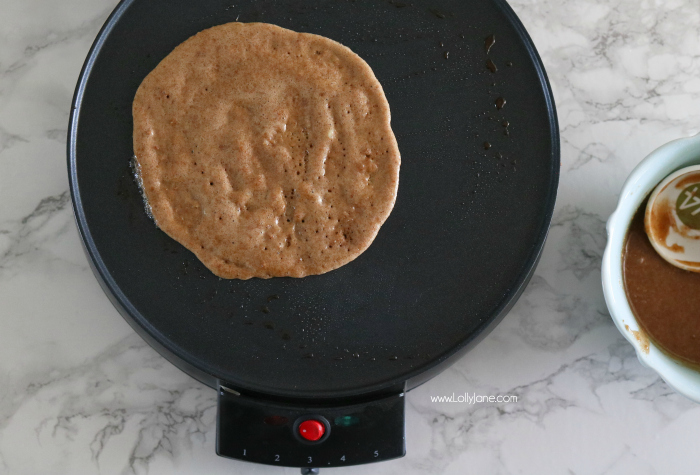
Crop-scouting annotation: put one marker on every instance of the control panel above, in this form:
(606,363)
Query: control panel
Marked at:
(292,435)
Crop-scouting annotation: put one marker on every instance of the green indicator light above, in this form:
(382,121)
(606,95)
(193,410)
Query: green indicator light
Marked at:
(346,421)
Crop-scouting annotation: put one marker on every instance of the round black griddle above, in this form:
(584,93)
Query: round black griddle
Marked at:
(474,204)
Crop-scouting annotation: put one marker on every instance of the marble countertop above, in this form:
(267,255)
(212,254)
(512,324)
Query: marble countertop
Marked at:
(81,393)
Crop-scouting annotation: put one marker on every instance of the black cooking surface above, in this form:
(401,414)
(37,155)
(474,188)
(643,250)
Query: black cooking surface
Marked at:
(467,227)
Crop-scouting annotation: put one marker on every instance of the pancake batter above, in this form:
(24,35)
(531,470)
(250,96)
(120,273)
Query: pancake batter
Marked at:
(266,152)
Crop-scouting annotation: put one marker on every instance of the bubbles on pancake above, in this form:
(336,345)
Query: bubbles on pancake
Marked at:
(283,170)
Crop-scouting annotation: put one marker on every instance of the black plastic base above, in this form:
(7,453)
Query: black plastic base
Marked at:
(264,432)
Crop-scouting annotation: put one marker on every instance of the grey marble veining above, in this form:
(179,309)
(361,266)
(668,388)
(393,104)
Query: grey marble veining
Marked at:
(80,393)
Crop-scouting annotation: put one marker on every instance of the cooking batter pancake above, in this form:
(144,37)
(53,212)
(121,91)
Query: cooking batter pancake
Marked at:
(266,152)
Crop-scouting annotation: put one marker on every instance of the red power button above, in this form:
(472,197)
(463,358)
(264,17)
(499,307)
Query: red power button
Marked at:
(312,430)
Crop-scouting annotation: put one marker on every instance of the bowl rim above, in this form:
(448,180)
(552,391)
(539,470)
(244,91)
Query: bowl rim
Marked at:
(643,179)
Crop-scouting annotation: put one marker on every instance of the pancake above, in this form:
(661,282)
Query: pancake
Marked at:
(266,152)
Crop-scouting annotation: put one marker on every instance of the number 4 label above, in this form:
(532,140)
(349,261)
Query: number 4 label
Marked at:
(342,459)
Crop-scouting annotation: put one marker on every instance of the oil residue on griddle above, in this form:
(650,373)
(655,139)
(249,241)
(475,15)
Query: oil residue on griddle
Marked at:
(509,64)
(437,13)
(393,358)
(447,54)
(308,355)
(489,42)
(273,297)
(487,145)
(185,267)
(265,309)
(136,168)
(500,102)
(269,325)
(505,125)
(286,336)
(491,66)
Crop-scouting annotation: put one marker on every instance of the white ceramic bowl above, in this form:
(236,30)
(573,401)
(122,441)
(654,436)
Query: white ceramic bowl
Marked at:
(650,172)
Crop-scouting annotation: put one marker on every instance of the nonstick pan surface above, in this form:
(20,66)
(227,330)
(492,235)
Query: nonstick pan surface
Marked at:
(474,203)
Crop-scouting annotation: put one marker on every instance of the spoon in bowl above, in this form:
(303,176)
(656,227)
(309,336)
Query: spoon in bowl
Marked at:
(672,218)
